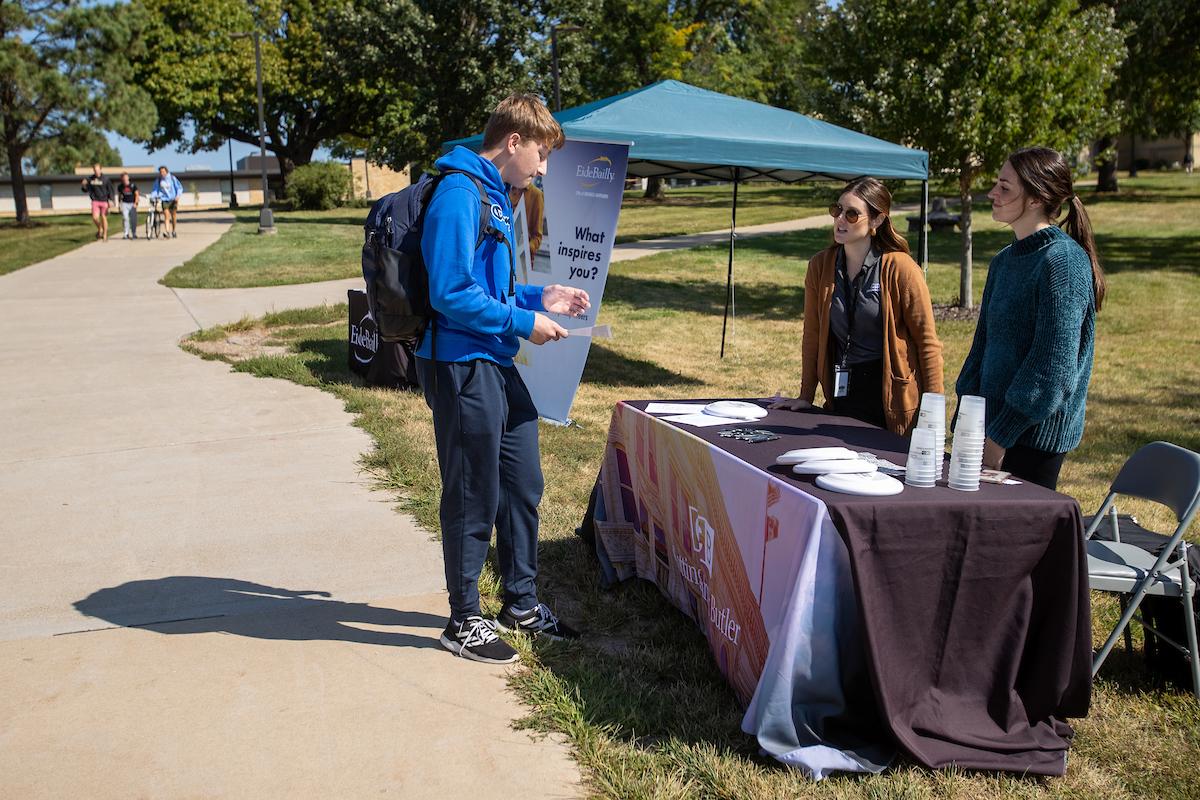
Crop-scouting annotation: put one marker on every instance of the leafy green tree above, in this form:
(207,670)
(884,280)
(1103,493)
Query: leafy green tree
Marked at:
(969,82)
(75,145)
(330,68)
(1157,91)
(393,78)
(470,55)
(319,186)
(747,48)
(64,68)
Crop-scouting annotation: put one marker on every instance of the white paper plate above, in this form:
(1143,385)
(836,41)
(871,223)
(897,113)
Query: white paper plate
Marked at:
(735,409)
(815,454)
(873,484)
(841,465)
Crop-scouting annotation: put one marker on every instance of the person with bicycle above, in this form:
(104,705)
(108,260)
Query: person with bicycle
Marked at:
(154,221)
(168,188)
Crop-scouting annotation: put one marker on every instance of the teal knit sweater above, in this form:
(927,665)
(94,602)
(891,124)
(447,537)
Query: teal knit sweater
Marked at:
(1032,354)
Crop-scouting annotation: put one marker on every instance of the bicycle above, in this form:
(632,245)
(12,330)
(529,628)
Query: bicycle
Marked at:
(155,219)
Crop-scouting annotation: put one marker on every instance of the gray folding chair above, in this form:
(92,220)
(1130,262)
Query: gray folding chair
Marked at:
(1166,474)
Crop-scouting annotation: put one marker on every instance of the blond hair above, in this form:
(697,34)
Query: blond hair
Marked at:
(526,115)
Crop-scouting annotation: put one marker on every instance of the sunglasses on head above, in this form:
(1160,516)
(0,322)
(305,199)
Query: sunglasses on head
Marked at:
(852,215)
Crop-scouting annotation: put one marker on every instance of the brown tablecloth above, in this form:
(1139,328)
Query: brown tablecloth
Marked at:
(975,604)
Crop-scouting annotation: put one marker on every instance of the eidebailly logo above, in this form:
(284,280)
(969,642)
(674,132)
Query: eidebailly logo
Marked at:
(594,172)
(498,213)
(364,339)
(702,537)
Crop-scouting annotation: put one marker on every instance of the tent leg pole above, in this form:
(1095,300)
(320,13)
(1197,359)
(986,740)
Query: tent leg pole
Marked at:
(729,273)
(923,238)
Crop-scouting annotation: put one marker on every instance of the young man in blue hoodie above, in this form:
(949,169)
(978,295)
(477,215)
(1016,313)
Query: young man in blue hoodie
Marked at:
(484,421)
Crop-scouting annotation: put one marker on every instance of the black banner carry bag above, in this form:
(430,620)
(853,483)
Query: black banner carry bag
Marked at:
(378,363)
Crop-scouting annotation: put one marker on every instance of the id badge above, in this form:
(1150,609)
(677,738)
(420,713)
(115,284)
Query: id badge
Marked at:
(841,381)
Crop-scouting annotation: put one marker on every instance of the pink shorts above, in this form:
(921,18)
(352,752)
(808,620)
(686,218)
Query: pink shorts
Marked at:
(99,207)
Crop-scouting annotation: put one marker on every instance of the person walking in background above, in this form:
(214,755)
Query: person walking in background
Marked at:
(869,338)
(1031,358)
(127,194)
(168,188)
(484,420)
(100,191)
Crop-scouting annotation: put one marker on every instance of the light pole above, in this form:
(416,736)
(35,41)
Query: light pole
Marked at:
(554,29)
(232,191)
(266,221)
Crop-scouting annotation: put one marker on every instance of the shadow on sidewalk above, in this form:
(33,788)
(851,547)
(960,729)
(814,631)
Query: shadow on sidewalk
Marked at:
(191,604)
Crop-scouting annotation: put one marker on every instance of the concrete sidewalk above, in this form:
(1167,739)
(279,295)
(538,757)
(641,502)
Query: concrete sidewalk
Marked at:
(203,597)
(210,307)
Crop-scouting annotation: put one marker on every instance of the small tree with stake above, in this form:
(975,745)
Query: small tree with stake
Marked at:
(969,82)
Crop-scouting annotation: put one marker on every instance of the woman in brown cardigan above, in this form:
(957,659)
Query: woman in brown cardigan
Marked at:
(869,338)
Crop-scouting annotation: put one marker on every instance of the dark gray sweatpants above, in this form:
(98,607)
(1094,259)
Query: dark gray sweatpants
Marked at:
(486,429)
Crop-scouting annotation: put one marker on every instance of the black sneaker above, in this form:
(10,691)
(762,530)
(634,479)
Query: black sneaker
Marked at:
(539,620)
(475,638)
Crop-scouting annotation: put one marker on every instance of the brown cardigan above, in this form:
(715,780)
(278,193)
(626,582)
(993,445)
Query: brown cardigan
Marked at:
(912,352)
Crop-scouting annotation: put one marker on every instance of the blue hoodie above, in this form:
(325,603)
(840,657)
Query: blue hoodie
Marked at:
(468,287)
(166,189)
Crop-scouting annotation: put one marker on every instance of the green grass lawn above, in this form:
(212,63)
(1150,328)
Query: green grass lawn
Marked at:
(640,698)
(707,208)
(46,238)
(309,246)
(325,245)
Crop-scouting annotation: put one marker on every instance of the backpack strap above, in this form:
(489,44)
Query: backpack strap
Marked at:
(486,228)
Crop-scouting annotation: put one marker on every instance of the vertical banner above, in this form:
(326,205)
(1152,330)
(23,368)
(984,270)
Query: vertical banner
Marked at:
(583,185)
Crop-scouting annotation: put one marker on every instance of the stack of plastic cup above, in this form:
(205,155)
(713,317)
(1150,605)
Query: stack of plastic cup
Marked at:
(933,417)
(966,455)
(924,459)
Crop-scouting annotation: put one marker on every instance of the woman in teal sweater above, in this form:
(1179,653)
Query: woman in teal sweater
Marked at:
(1031,358)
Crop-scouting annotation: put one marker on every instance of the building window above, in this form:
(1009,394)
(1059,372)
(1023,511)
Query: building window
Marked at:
(46,195)
(226,190)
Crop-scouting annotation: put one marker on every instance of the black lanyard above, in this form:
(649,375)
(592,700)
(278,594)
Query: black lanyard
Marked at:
(851,302)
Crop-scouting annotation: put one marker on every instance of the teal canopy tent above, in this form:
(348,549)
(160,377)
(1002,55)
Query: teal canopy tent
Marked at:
(682,131)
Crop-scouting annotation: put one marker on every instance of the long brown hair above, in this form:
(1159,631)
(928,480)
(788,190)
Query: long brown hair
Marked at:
(1046,176)
(879,204)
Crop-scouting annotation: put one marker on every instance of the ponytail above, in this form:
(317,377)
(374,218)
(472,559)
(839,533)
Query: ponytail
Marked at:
(887,240)
(1079,227)
(1046,176)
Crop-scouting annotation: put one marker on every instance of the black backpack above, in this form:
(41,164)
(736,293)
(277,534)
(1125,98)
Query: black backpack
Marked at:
(392,265)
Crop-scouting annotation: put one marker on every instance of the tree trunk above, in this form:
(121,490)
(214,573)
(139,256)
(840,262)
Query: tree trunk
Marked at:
(1133,159)
(966,297)
(286,167)
(655,189)
(18,184)
(1106,179)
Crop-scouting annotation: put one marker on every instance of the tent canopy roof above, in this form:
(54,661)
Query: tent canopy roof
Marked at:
(679,130)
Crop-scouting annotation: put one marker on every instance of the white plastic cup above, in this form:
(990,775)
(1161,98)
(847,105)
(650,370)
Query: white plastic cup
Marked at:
(922,470)
(964,469)
(933,410)
(932,416)
(966,454)
(971,412)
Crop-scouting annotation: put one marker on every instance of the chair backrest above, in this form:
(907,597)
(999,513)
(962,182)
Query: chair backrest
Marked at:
(1165,473)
